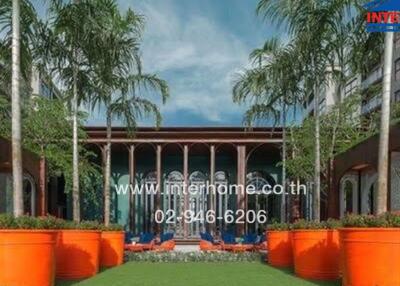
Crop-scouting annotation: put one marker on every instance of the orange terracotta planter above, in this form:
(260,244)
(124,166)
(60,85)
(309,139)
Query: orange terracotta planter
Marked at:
(112,248)
(316,254)
(27,257)
(77,254)
(371,256)
(280,248)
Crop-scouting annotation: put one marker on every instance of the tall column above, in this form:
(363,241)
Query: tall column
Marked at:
(132,203)
(212,196)
(185,190)
(42,187)
(159,176)
(241,181)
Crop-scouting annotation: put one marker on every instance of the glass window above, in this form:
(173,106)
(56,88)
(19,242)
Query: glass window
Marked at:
(397,96)
(6,195)
(350,87)
(348,191)
(397,70)
(397,40)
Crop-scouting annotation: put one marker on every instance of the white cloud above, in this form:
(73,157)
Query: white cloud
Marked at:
(196,55)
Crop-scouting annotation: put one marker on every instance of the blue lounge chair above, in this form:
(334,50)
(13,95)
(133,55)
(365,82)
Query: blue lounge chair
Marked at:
(228,240)
(207,236)
(166,236)
(128,237)
(250,238)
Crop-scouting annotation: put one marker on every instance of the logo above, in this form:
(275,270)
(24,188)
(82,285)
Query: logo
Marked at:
(383,16)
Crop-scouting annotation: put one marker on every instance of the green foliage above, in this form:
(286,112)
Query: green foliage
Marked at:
(7,221)
(112,227)
(328,224)
(195,256)
(47,132)
(340,129)
(365,221)
(279,226)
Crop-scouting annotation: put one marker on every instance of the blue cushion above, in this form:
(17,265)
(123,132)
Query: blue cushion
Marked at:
(228,238)
(146,237)
(250,238)
(128,237)
(206,236)
(166,236)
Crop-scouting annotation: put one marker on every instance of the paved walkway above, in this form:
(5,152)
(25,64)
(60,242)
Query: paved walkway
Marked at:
(187,248)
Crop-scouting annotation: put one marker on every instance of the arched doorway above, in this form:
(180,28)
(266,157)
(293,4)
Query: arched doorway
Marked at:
(6,194)
(197,201)
(259,200)
(349,194)
(222,198)
(174,200)
(150,183)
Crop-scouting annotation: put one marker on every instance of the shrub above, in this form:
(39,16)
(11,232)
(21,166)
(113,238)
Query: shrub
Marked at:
(112,227)
(195,256)
(384,220)
(328,224)
(279,226)
(83,225)
(7,221)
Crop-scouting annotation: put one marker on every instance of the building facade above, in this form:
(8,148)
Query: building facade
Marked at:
(190,156)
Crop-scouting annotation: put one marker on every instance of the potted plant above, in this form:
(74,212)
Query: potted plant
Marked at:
(78,250)
(316,249)
(27,250)
(279,245)
(112,245)
(371,249)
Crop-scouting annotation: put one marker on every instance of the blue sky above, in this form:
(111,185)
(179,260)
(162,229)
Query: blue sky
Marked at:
(197,46)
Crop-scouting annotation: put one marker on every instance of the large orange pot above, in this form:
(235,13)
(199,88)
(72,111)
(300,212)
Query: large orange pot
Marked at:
(27,257)
(280,248)
(77,254)
(112,248)
(371,256)
(316,254)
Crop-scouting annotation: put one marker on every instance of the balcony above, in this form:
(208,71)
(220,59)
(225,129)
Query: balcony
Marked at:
(371,104)
(373,77)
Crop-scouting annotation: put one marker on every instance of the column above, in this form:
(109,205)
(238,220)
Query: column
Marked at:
(212,196)
(185,190)
(159,187)
(42,187)
(241,181)
(132,199)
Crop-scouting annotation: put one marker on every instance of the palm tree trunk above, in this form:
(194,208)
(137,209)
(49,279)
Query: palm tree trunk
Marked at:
(107,172)
(283,200)
(76,209)
(383,164)
(18,202)
(317,167)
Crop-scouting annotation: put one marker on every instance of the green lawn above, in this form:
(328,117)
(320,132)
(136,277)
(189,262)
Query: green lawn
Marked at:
(195,274)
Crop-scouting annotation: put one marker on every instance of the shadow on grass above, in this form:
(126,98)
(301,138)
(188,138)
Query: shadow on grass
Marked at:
(290,272)
(76,282)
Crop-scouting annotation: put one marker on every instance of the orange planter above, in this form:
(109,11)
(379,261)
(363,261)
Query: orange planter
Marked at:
(316,254)
(27,257)
(77,254)
(371,256)
(112,248)
(280,248)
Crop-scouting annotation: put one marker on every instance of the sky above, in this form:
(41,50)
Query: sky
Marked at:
(197,47)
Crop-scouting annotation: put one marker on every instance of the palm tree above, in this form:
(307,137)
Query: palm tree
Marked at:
(18,20)
(311,24)
(64,50)
(385,126)
(16,113)
(119,81)
(271,86)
